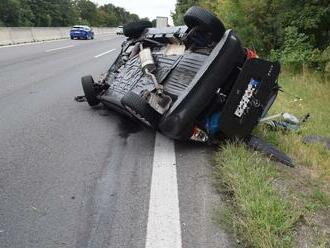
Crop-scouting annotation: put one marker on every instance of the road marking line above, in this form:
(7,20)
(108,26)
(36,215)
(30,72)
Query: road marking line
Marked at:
(164,230)
(102,54)
(59,48)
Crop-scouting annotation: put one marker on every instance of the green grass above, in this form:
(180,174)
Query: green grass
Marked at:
(316,101)
(317,199)
(267,200)
(258,214)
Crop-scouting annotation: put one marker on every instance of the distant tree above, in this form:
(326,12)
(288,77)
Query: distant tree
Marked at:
(9,11)
(285,29)
(181,7)
(114,16)
(154,22)
(87,11)
(54,13)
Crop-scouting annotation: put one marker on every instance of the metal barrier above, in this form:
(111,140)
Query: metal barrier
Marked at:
(17,35)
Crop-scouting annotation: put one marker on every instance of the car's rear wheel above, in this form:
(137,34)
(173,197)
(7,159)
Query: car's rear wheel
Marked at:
(140,109)
(72,37)
(196,16)
(135,29)
(89,90)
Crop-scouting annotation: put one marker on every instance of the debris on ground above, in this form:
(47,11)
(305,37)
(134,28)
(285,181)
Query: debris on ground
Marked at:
(317,139)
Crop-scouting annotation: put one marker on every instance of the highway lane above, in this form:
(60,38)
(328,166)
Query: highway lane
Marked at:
(23,65)
(72,176)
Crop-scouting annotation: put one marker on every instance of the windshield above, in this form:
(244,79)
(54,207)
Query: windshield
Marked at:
(80,28)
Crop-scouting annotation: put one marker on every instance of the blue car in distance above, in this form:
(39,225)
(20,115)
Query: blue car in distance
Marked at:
(81,32)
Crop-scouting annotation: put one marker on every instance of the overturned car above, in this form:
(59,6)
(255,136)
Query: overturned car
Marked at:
(193,82)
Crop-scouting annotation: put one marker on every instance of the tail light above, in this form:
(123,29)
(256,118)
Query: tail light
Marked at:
(199,135)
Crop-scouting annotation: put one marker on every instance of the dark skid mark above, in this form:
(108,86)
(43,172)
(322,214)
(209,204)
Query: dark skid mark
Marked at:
(128,126)
(99,205)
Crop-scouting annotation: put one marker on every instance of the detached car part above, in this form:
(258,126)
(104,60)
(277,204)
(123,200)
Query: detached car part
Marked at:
(193,82)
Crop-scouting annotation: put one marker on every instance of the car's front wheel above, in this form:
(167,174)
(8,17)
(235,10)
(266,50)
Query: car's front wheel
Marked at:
(140,109)
(89,90)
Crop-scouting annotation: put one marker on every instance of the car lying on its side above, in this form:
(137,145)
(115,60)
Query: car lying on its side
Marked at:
(193,82)
(81,32)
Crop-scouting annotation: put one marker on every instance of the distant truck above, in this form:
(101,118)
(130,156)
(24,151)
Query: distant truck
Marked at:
(161,22)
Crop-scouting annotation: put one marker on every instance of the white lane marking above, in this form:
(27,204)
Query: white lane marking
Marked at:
(164,230)
(102,54)
(59,48)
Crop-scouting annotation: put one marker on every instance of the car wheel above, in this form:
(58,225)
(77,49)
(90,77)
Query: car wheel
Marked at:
(135,29)
(89,90)
(196,16)
(72,37)
(140,109)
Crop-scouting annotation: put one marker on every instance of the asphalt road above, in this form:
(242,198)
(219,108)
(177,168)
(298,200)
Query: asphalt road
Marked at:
(72,176)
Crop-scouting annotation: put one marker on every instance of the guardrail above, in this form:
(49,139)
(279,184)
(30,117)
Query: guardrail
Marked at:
(17,35)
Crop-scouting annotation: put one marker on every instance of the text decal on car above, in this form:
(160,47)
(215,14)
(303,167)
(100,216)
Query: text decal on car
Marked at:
(248,94)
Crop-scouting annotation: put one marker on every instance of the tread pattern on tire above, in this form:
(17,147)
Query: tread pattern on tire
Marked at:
(140,109)
(197,16)
(90,93)
(135,29)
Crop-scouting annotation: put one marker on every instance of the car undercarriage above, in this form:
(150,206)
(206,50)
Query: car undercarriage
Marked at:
(194,82)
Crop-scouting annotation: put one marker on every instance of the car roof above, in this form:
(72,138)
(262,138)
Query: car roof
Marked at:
(80,26)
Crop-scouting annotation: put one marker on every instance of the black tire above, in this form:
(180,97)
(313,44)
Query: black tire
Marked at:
(141,110)
(135,29)
(196,16)
(72,37)
(89,90)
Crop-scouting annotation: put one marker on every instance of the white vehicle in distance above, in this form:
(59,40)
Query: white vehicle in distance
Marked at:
(119,30)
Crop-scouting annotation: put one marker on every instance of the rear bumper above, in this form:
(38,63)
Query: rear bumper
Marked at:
(79,35)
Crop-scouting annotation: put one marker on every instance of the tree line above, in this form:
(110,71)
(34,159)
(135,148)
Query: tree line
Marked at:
(296,32)
(56,13)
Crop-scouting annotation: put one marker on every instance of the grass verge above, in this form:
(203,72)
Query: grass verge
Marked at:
(258,213)
(271,205)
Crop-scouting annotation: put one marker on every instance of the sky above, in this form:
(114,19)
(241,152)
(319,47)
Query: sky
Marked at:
(144,8)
